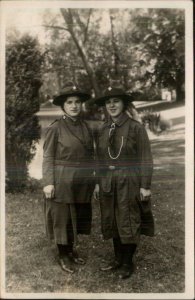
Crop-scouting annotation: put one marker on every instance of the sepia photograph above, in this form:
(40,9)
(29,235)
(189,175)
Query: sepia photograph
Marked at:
(97,158)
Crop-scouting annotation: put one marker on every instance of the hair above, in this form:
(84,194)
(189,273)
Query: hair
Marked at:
(62,104)
(126,104)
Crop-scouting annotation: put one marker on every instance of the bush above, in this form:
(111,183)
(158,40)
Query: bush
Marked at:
(34,185)
(23,80)
(154,122)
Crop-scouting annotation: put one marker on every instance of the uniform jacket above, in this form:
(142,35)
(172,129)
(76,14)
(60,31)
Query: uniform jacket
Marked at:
(68,160)
(122,177)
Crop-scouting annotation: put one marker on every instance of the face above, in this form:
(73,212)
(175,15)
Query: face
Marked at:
(72,106)
(114,107)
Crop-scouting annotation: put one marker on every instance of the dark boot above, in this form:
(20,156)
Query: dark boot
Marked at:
(64,260)
(118,251)
(117,263)
(128,267)
(73,254)
(75,258)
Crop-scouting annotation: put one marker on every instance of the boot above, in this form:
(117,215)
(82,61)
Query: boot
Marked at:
(75,258)
(73,254)
(128,267)
(64,260)
(117,263)
(118,251)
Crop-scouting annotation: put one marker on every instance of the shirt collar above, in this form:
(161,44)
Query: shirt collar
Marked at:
(120,121)
(71,120)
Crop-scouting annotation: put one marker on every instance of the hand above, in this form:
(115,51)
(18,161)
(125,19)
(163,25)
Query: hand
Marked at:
(145,194)
(96,192)
(49,191)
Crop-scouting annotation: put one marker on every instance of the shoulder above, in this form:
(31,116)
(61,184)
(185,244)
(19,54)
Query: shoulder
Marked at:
(85,123)
(87,126)
(54,123)
(103,126)
(136,125)
(52,127)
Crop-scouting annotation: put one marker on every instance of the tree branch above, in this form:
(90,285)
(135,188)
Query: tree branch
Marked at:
(87,26)
(55,27)
(67,15)
(79,22)
(114,45)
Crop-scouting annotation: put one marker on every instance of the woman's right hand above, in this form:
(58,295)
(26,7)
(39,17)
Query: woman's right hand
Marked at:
(49,191)
(96,192)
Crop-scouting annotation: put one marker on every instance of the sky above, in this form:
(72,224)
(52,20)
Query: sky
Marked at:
(30,20)
(27,20)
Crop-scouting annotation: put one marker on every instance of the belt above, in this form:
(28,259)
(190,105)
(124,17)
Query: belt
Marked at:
(73,164)
(112,168)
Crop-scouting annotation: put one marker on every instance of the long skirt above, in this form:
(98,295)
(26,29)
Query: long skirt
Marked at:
(122,212)
(64,221)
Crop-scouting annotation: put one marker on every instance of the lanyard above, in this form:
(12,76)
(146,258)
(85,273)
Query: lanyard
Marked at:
(111,141)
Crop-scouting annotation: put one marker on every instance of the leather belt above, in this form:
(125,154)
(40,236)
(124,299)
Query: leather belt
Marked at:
(112,168)
(76,164)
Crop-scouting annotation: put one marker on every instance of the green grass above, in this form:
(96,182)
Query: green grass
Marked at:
(31,260)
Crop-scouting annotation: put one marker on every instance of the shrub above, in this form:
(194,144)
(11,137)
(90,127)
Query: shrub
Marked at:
(154,122)
(23,80)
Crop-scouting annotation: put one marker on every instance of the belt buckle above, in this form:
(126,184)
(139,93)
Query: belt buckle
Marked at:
(111,167)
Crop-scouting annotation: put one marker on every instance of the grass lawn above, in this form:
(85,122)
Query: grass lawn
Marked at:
(31,260)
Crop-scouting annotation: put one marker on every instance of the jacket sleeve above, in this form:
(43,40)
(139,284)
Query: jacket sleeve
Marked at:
(97,164)
(145,158)
(49,149)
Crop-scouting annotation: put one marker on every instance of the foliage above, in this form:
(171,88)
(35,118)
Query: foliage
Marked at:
(141,49)
(154,122)
(33,185)
(160,50)
(23,80)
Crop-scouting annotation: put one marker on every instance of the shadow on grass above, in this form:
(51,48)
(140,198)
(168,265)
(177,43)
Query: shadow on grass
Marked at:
(168,152)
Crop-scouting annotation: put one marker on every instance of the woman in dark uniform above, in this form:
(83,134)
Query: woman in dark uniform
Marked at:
(68,177)
(125,172)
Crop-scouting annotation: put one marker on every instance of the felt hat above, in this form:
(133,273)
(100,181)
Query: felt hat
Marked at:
(70,91)
(112,92)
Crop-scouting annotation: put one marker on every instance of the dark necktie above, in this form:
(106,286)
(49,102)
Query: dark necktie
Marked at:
(112,132)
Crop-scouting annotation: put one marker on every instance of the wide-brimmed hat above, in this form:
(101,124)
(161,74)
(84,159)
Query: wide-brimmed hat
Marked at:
(70,91)
(112,92)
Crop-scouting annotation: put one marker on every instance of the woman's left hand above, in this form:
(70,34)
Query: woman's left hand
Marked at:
(145,194)
(96,192)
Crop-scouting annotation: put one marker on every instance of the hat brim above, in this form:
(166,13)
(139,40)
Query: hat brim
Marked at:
(60,99)
(101,100)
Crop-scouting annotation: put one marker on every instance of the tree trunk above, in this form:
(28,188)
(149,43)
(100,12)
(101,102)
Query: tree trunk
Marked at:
(115,48)
(67,15)
(180,87)
(180,93)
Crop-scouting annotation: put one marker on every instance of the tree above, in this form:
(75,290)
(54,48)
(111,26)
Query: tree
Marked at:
(88,51)
(159,36)
(132,51)
(23,80)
